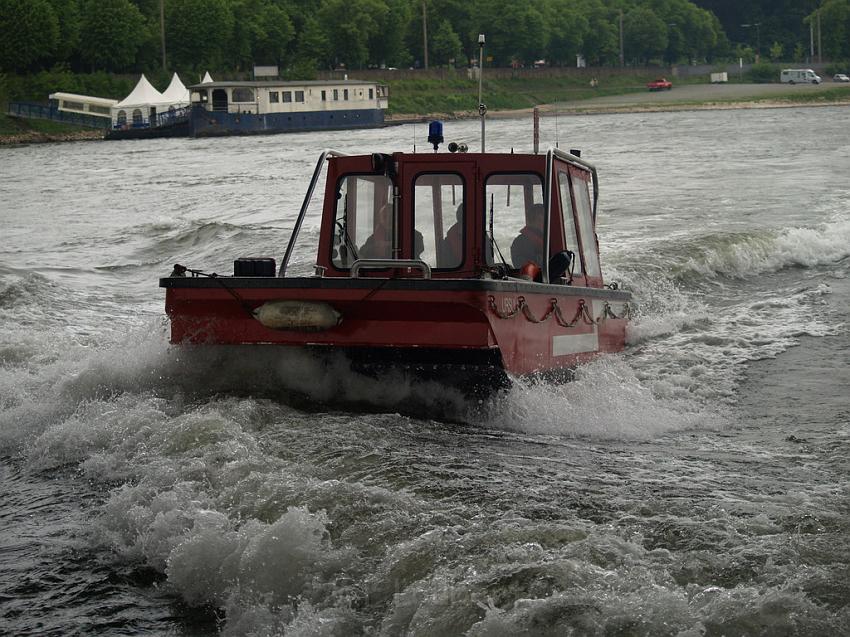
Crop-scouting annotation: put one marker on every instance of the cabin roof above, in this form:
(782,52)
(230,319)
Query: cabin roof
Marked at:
(273,83)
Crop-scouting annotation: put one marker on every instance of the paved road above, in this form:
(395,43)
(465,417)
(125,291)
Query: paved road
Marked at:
(698,93)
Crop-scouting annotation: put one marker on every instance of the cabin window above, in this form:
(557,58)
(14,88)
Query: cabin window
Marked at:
(371,93)
(585,227)
(324,96)
(570,235)
(274,97)
(122,118)
(514,211)
(287,96)
(364,227)
(345,93)
(98,109)
(299,96)
(336,94)
(243,95)
(438,220)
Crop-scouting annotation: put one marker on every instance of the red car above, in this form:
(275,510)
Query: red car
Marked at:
(660,84)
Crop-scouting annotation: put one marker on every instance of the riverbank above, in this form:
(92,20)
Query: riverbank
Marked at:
(681,98)
(15,131)
(414,105)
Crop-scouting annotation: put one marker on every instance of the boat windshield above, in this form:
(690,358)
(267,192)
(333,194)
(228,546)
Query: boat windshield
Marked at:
(515,214)
(438,215)
(364,227)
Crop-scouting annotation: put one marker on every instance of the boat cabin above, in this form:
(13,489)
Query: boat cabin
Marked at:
(460,216)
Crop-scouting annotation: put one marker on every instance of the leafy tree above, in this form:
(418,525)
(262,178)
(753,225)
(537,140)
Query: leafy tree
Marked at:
(776,51)
(262,32)
(29,32)
(386,44)
(568,27)
(70,22)
(198,32)
(350,25)
(645,34)
(514,30)
(835,28)
(601,41)
(445,45)
(313,45)
(111,33)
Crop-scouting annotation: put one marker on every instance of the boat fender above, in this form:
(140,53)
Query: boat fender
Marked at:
(530,272)
(302,316)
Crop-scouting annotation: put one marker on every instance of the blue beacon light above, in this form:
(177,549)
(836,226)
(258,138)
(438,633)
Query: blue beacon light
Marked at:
(435,133)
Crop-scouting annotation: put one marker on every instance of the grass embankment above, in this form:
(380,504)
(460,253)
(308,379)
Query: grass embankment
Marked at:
(15,130)
(421,97)
(825,96)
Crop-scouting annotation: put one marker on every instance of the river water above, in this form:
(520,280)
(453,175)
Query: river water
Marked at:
(697,484)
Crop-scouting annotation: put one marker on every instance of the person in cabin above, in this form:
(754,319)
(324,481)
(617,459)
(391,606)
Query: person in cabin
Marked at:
(379,244)
(528,246)
(452,247)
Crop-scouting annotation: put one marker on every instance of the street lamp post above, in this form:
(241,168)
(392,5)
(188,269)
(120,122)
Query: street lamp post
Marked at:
(757,25)
(482,109)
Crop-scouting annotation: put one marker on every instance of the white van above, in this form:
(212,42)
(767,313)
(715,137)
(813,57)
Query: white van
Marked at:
(799,76)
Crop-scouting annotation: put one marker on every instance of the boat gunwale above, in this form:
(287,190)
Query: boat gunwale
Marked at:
(367,283)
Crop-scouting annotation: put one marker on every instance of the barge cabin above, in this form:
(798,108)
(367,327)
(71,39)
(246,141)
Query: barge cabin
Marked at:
(263,106)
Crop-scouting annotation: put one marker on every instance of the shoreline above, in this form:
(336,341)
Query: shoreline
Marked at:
(561,109)
(38,137)
(546,110)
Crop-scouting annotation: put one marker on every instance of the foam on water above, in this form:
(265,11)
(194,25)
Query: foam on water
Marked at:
(140,480)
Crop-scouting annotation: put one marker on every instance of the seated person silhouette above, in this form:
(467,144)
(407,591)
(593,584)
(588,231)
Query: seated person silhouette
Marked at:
(528,246)
(451,249)
(379,244)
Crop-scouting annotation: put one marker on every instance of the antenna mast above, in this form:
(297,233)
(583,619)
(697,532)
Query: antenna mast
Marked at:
(482,109)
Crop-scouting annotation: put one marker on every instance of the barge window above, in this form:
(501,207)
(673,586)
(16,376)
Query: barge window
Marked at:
(345,93)
(514,220)
(299,96)
(570,235)
(438,219)
(243,95)
(324,96)
(371,93)
(287,96)
(336,94)
(363,223)
(274,97)
(585,226)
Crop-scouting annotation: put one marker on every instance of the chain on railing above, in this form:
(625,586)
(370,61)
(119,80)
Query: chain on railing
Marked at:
(582,312)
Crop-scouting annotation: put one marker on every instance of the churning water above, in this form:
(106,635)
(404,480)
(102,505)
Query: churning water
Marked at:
(697,484)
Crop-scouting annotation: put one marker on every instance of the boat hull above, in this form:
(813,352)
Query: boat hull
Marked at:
(511,326)
(203,123)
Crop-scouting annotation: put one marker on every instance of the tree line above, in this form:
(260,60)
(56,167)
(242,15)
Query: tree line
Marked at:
(786,29)
(303,35)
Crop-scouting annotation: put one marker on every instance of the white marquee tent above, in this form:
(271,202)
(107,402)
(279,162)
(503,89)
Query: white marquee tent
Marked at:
(145,102)
(176,95)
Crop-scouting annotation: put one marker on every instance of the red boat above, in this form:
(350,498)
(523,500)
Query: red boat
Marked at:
(464,267)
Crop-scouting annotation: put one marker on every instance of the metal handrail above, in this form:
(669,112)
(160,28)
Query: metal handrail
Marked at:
(293,238)
(380,264)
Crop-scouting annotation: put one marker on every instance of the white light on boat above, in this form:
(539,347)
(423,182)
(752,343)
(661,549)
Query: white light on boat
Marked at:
(306,316)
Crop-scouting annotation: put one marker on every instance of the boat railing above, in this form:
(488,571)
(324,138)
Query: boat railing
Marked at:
(306,203)
(383,264)
(31,110)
